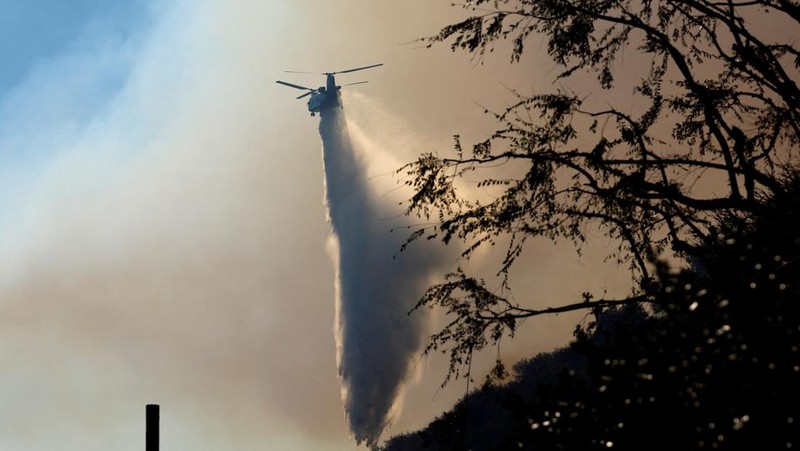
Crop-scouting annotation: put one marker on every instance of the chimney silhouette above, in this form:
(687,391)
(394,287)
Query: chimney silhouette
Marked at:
(151,429)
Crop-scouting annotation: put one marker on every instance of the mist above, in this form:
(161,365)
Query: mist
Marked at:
(378,343)
(150,253)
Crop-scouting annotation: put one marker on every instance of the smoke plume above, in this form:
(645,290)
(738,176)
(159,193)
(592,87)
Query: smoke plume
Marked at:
(377,341)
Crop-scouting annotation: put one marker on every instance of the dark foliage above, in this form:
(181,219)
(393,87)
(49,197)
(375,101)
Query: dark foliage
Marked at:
(713,364)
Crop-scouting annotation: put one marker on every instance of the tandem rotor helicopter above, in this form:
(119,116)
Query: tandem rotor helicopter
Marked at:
(324,97)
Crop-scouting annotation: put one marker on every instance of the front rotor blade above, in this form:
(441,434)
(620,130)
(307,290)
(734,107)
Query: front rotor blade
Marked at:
(357,68)
(301,72)
(293,85)
(355,83)
(305,95)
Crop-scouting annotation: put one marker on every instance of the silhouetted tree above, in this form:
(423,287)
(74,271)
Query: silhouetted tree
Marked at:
(716,101)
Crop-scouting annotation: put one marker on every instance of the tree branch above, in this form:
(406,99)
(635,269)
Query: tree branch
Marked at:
(521,313)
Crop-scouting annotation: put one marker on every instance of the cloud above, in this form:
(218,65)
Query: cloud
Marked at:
(167,245)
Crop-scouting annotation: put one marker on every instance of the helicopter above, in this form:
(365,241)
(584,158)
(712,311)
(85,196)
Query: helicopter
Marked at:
(324,97)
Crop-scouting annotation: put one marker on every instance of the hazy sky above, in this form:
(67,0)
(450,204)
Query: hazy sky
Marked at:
(164,234)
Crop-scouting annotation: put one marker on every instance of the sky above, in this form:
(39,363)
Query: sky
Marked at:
(165,237)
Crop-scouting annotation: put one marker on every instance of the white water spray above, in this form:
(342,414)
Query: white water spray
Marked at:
(378,342)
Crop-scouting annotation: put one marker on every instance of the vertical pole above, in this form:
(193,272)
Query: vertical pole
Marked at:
(151,429)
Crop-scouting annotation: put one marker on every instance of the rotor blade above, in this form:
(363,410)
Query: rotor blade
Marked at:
(304,95)
(355,83)
(293,85)
(357,68)
(300,72)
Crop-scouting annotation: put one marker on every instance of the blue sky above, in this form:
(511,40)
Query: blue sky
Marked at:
(32,32)
(63,64)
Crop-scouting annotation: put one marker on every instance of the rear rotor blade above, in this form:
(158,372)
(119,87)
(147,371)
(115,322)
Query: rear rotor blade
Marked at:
(291,85)
(304,95)
(300,72)
(357,68)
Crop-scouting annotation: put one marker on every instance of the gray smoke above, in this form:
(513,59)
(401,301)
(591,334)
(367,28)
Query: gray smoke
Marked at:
(378,343)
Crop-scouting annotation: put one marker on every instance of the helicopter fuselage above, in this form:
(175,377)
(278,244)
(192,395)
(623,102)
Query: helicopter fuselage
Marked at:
(325,97)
